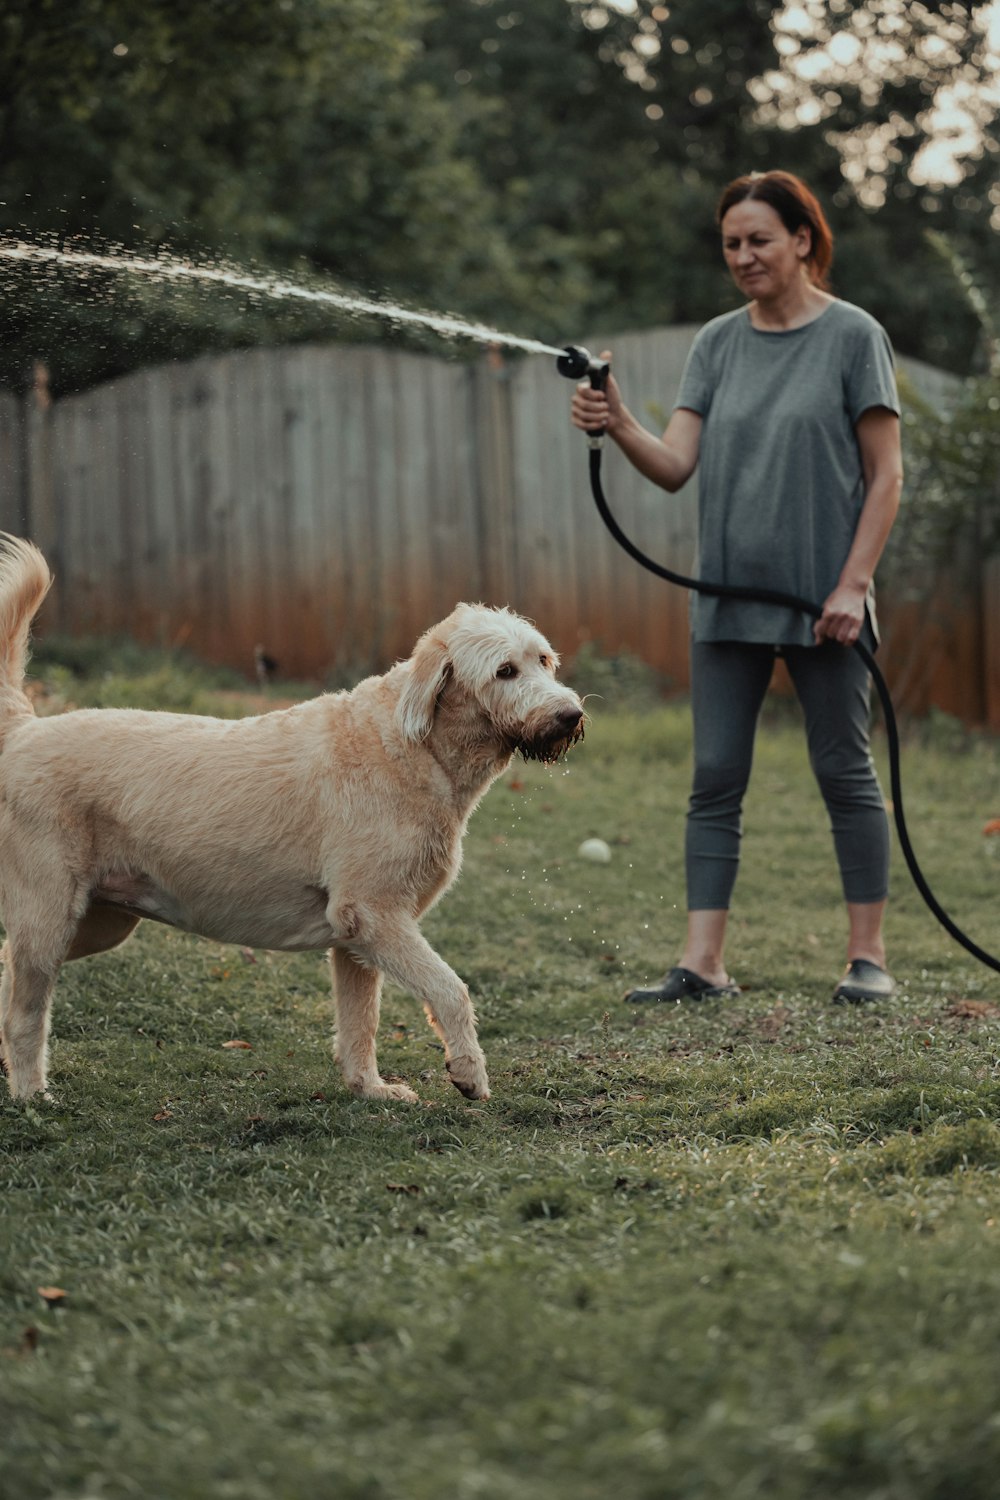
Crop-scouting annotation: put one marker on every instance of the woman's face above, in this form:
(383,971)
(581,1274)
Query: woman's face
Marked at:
(763,258)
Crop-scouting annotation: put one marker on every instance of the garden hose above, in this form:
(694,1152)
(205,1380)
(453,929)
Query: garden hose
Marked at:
(577,363)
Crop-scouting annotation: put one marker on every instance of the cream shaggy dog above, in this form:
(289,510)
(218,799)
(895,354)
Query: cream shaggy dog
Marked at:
(331,825)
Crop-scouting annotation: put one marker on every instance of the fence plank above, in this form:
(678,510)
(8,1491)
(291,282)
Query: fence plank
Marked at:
(13,502)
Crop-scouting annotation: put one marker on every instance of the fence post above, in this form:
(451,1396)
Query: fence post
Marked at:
(38,496)
(38,519)
(991,640)
(496,498)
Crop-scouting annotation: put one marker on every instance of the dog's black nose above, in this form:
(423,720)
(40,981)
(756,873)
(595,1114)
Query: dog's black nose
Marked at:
(569,718)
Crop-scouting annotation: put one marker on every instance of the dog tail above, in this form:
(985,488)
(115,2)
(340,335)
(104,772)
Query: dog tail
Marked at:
(24,581)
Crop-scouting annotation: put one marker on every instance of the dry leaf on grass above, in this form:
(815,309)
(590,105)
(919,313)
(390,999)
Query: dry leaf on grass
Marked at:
(26,1344)
(53,1295)
(771,1024)
(244,1046)
(973,1009)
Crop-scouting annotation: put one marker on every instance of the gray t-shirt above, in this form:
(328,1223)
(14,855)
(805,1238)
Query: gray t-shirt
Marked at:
(780,480)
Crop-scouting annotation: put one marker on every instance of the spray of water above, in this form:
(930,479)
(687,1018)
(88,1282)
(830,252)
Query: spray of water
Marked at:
(167,270)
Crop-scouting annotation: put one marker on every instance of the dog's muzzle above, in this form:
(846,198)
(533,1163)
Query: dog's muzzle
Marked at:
(563,731)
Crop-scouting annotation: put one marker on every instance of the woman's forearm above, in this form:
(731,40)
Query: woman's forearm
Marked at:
(874,525)
(844,609)
(667,461)
(655,458)
(882,464)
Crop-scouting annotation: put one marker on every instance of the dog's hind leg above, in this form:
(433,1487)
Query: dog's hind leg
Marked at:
(401,951)
(356,995)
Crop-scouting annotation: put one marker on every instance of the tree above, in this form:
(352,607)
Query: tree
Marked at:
(908,95)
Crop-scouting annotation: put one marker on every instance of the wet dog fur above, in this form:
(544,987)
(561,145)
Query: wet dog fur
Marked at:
(333,825)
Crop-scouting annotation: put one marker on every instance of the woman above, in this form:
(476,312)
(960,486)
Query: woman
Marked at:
(788,408)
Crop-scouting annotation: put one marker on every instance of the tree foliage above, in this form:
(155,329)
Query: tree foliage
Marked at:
(550,167)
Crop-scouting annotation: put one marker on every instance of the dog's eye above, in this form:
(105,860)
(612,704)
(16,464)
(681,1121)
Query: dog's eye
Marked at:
(546,662)
(507,670)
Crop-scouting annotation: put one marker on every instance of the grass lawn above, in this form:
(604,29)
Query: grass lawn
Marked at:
(738,1249)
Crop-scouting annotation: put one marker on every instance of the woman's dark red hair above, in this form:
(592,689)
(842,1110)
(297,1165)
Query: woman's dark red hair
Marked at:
(796,205)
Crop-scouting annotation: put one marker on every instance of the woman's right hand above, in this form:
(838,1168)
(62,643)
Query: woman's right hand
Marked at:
(597,411)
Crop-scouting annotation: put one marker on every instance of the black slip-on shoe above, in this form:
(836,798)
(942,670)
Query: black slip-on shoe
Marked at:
(863,981)
(680,984)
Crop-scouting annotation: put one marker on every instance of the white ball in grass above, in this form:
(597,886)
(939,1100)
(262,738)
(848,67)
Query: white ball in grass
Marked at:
(596,850)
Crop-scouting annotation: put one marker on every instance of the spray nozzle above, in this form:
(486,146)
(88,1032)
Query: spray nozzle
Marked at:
(577,362)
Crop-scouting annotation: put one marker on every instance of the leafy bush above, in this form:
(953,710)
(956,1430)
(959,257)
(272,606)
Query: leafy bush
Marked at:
(952,458)
(100,673)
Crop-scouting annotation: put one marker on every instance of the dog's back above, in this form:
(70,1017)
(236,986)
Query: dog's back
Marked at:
(24,581)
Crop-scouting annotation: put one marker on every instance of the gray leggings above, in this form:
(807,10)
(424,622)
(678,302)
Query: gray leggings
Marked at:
(728,682)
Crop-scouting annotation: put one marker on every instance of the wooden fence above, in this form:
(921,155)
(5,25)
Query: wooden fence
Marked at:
(330,502)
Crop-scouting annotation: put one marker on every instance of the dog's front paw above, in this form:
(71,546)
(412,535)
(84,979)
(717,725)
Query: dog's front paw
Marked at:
(390,1091)
(468,1074)
(30,1096)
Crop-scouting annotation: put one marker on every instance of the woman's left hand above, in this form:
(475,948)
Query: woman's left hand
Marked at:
(843,615)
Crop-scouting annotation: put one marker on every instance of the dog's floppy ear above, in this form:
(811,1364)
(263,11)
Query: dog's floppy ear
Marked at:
(429,670)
